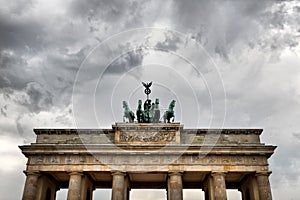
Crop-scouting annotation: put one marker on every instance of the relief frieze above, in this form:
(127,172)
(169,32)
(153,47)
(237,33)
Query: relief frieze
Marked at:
(147,136)
(141,159)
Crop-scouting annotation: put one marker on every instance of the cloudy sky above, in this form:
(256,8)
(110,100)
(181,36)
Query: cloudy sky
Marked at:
(227,63)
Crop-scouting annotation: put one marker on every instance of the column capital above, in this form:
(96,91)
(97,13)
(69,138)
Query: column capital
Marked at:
(218,173)
(76,173)
(35,173)
(175,173)
(263,173)
(116,172)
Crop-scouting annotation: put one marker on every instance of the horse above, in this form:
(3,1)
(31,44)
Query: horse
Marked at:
(147,111)
(140,113)
(156,112)
(170,113)
(128,114)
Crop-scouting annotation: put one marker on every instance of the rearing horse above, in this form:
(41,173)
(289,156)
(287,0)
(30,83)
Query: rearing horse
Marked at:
(170,113)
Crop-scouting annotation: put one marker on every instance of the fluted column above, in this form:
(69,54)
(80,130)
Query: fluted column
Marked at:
(30,188)
(264,188)
(74,192)
(118,185)
(175,186)
(219,185)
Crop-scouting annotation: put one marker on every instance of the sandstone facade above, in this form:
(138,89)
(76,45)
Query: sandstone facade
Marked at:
(134,155)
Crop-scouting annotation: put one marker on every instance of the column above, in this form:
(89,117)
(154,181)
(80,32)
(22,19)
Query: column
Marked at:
(263,183)
(74,192)
(46,188)
(175,186)
(87,187)
(219,185)
(31,184)
(118,185)
(127,189)
(249,188)
(209,189)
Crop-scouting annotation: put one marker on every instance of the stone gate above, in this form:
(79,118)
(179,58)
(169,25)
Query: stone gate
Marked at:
(147,155)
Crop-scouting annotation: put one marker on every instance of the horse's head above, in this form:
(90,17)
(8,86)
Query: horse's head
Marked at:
(125,105)
(156,101)
(172,104)
(140,104)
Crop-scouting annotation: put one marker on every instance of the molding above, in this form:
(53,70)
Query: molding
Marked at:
(80,149)
(136,126)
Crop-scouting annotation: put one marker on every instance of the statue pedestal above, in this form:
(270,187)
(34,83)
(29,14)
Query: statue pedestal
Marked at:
(147,133)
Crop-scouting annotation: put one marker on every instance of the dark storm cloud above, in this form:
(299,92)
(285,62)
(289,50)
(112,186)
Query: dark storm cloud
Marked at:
(38,98)
(65,60)
(12,73)
(47,82)
(20,33)
(219,25)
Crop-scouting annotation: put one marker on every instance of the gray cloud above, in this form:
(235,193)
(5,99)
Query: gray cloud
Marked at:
(4,110)
(108,16)
(126,61)
(220,25)
(170,43)
(21,33)
(10,67)
(297,135)
(37,98)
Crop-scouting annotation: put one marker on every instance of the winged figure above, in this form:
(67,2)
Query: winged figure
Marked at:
(147,85)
